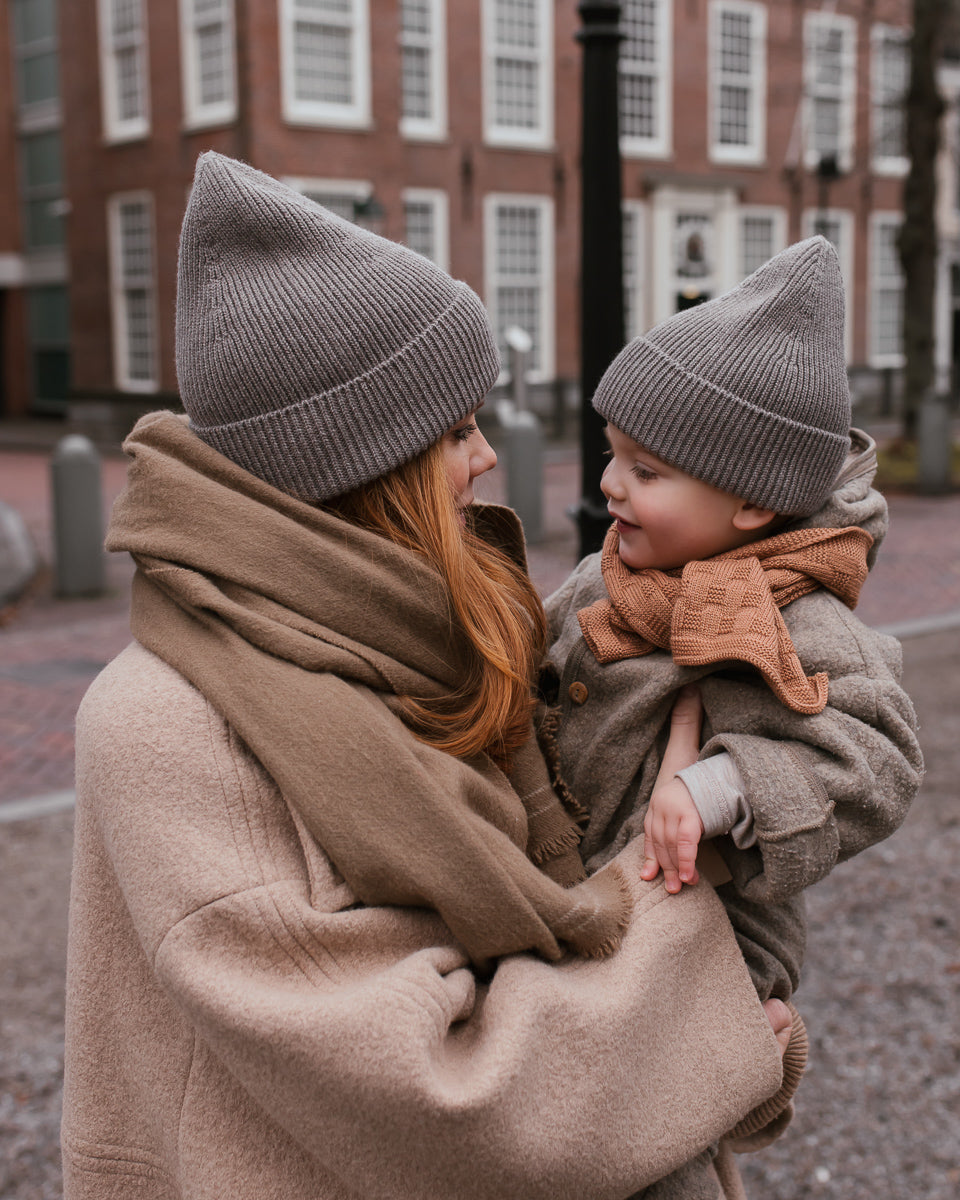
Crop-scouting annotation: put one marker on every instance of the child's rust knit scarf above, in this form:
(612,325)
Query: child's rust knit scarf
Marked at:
(727,607)
(303,632)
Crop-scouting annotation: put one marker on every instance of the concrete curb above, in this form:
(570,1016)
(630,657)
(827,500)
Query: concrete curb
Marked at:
(36,806)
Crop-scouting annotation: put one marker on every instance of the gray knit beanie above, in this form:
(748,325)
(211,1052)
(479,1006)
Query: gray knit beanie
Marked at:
(311,352)
(749,391)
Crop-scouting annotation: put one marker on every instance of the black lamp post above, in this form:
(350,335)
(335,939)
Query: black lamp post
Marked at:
(828,171)
(601,256)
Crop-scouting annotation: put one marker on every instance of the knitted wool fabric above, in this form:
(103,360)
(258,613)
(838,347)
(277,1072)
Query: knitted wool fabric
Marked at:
(726,608)
(312,353)
(749,391)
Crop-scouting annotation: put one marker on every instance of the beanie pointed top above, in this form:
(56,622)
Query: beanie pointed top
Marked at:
(748,391)
(315,354)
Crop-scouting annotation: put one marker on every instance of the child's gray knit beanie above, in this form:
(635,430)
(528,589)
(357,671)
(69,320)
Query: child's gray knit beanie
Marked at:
(749,391)
(315,354)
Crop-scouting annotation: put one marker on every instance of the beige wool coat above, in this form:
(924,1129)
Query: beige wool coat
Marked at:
(239,1026)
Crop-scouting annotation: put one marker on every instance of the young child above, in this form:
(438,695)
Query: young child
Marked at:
(745,524)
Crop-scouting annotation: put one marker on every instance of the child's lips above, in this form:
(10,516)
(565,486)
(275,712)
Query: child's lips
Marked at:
(622,525)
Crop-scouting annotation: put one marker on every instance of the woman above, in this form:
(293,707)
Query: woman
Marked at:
(311,820)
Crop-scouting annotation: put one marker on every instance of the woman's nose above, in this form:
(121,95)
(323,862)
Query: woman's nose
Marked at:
(485,458)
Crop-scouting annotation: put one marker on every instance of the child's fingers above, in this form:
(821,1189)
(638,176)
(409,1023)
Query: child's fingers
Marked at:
(688,841)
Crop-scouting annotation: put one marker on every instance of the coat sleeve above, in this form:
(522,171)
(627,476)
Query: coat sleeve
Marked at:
(361,1031)
(822,787)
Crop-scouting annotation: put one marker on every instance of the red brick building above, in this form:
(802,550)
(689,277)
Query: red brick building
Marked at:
(453,125)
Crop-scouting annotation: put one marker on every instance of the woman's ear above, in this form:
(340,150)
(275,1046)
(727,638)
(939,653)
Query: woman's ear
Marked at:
(750,517)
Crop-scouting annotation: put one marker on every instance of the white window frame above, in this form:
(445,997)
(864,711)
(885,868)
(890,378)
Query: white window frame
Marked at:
(315,188)
(635,274)
(753,151)
(116,129)
(434,127)
(846,224)
(878,284)
(439,202)
(508,135)
(355,115)
(196,115)
(885,164)
(762,212)
(118,295)
(546,369)
(660,144)
(845,94)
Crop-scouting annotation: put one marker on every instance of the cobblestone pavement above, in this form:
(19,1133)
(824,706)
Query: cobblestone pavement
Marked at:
(879,1113)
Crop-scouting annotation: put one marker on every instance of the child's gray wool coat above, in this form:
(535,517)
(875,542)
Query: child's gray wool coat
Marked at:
(822,787)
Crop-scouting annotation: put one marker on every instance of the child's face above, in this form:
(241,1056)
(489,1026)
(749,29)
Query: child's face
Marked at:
(665,517)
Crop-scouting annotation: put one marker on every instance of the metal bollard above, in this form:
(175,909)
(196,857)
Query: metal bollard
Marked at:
(934,445)
(522,441)
(77,517)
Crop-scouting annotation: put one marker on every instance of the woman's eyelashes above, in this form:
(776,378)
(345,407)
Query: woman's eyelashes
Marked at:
(463,433)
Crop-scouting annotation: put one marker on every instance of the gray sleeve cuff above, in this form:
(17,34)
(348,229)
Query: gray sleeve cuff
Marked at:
(716,787)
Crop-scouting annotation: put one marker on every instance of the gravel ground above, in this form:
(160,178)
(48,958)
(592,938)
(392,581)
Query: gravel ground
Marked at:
(879,1111)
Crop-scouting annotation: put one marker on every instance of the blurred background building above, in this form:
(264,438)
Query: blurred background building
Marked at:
(452,125)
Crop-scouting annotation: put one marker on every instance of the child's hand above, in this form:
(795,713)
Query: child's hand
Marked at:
(672,821)
(672,830)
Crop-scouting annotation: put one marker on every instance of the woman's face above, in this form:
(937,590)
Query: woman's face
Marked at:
(466,454)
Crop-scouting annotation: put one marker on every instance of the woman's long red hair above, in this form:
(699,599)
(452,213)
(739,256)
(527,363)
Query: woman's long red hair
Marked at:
(490,595)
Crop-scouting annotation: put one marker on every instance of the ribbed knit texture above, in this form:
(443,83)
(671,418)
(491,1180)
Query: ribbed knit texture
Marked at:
(794,1065)
(315,354)
(749,391)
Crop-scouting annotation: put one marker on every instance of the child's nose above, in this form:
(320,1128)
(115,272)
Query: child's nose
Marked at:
(608,481)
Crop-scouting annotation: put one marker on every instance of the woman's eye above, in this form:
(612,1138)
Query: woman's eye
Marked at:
(464,432)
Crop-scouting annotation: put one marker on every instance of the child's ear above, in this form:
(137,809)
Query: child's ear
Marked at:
(750,517)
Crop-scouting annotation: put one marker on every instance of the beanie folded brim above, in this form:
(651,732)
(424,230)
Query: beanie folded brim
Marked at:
(456,353)
(685,402)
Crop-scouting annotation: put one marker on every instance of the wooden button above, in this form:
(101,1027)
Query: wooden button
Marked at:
(578,692)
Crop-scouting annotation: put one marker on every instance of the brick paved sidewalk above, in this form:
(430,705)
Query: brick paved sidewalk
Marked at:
(53,648)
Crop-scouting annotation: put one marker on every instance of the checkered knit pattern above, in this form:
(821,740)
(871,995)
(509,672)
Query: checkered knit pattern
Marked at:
(728,607)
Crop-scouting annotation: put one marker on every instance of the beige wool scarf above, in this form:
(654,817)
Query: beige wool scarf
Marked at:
(727,608)
(304,633)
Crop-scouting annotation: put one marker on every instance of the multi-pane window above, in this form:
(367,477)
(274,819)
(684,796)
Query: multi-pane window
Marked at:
(886,292)
(133,291)
(830,88)
(518,72)
(425,224)
(889,77)
(645,126)
(325,61)
(35,52)
(123,69)
(634,274)
(519,254)
(836,225)
(345,197)
(422,68)
(208,61)
(41,171)
(738,34)
(762,235)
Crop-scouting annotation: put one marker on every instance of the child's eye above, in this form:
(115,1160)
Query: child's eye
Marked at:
(639,471)
(464,432)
